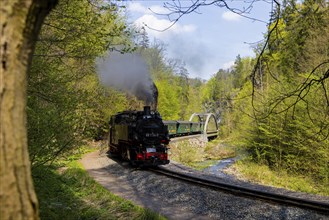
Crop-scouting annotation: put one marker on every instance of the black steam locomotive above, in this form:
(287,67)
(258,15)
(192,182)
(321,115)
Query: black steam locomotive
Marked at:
(139,137)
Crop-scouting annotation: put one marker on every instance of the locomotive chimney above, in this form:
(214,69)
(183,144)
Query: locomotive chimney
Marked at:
(147,110)
(154,104)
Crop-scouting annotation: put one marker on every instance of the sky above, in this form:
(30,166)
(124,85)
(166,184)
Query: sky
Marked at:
(207,40)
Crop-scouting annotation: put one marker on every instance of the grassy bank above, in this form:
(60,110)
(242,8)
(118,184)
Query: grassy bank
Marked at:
(262,174)
(198,154)
(202,155)
(69,193)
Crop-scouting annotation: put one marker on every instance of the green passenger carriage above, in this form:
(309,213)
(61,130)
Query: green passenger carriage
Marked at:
(172,127)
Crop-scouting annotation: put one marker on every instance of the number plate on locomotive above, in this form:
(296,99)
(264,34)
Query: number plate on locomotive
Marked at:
(151,134)
(151,150)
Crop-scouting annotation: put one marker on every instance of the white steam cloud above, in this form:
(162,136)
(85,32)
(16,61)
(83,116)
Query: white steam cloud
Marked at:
(128,73)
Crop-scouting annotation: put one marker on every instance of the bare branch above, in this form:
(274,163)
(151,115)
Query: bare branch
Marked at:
(177,10)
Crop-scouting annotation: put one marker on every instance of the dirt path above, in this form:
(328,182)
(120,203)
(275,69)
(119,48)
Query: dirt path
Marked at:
(99,167)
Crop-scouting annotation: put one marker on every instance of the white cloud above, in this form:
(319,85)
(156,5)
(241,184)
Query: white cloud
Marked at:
(137,7)
(228,65)
(230,16)
(186,41)
(156,26)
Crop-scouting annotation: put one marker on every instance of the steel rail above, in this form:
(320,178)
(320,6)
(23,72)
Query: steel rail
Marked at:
(247,192)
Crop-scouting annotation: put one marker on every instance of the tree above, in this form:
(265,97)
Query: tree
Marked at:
(305,14)
(181,82)
(20,25)
(286,122)
(291,103)
(66,103)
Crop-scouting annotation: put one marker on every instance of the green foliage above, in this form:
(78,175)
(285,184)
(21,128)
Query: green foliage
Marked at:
(226,88)
(198,154)
(262,174)
(195,103)
(186,152)
(221,89)
(282,118)
(217,150)
(293,139)
(302,37)
(183,91)
(293,120)
(168,103)
(66,102)
(241,71)
(284,124)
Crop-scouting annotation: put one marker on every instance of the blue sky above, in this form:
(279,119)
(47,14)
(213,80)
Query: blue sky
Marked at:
(206,41)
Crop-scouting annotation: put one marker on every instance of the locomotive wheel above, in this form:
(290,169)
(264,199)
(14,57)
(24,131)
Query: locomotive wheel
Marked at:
(124,153)
(133,164)
(113,152)
(132,157)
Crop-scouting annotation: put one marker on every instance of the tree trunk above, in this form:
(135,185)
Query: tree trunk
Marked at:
(20,24)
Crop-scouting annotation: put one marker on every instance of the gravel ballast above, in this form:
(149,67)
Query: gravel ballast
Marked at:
(179,200)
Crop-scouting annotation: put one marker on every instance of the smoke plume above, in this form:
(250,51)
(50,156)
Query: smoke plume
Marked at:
(128,73)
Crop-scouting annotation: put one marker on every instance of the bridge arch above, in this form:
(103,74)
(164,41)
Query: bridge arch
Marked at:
(196,115)
(210,128)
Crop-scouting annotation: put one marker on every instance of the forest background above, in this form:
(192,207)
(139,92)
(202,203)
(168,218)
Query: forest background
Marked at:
(274,108)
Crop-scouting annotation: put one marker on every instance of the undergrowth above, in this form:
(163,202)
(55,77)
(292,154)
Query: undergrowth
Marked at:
(262,174)
(70,193)
(217,150)
(200,155)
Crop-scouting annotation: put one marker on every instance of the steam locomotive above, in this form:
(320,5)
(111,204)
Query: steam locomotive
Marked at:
(139,137)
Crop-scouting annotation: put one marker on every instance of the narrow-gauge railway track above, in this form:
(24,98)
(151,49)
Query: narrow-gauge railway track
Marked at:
(247,192)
